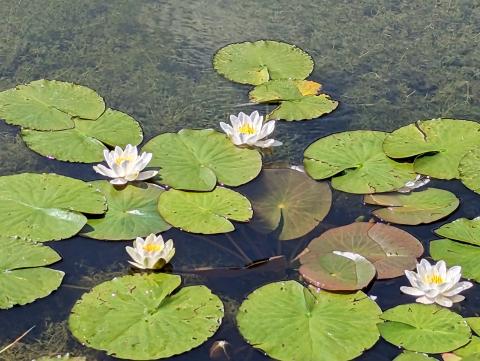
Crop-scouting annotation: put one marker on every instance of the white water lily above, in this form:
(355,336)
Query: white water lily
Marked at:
(250,130)
(151,252)
(125,165)
(436,283)
(418,182)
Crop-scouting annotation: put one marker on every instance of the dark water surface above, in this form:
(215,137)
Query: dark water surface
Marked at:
(389,63)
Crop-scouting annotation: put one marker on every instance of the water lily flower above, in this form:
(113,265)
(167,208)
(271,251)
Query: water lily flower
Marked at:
(418,182)
(125,165)
(250,130)
(151,252)
(436,283)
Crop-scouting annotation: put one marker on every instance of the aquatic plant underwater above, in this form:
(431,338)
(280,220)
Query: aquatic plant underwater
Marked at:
(185,180)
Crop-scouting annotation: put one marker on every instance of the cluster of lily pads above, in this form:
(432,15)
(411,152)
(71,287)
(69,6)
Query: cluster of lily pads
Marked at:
(184,180)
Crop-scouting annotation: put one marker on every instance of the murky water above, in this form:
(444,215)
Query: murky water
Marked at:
(388,63)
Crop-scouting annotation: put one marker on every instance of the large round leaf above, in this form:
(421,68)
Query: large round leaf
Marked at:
(356,162)
(46,207)
(469,169)
(86,142)
(132,212)
(424,328)
(197,159)
(288,201)
(390,249)
(439,144)
(414,208)
(413,356)
(141,318)
(289,322)
(260,61)
(49,104)
(23,278)
(204,212)
(462,229)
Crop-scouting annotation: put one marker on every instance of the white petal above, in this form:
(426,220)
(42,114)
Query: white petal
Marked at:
(226,128)
(276,143)
(413,278)
(138,265)
(459,287)
(268,128)
(132,252)
(147,174)
(101,169)
(441,268)
(118,181)
(457,298)
(412,291)
(425,300)
(443,301)
(264,143)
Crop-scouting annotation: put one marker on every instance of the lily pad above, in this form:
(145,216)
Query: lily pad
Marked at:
(49,104)
(198,159)
(356,162)
(45,207)
(204,212)
(413,356)
(438,144)
(140,317)
(469,169)
(424,328)
(470,349)
(132,212)
(462,229)
(23,277)
(474,323)
(290,322)
(87,141)
(288,201)
(258,62)
(414,208)
(390,250)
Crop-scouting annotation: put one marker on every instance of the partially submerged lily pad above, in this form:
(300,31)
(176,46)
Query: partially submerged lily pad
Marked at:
(88,139)
(356,162)
(45,207)
(258,62)
(132,212)
(23,277)
(204,212)
(290,322)
(438,144)
(198,159)
(426,206)
(49,105)
(288,201)
(413,356)
(140,317)
(469,169)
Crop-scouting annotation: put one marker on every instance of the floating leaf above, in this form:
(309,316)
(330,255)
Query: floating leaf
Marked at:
(462,229)
(86,142)
(289,322)
(258,62)
(414,208)
(470,349)
(140,317)
(474,323)
(356,162)
(439,145)
(290,200)
(132,212)
(23,279)
(413,356)
(469,169)
(49,104)
(424,328)
(45,207)
(197,159)
(204,212)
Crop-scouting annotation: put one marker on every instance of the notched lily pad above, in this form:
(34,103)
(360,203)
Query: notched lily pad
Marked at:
(462,229)
(469,169)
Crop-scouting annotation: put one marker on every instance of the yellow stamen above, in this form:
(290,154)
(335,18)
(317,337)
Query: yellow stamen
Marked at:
(152,247)
(122,158)
(246,129)
(435,278)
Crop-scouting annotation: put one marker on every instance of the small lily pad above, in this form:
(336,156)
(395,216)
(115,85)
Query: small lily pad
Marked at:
(49,105)
(356,162)
(469,350)
(414,208)
(258,62)
(198,159)
(462,229)
(413,356)
(140,317)
(132,212)
(23,277)
(474,323)
(469,169)
(424,328)
(204,212)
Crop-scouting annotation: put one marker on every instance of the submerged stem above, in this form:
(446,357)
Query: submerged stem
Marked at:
(17,339)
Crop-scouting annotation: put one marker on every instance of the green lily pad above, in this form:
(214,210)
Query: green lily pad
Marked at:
(290,322)
(462,229)
(132,212)
(474,323)
(258,62)
(198,159)
(356,162)
(470,349)
(204,212)
(413,356)
(45,207)
(23,277)
(290,200)
(424,328)
(390,250)
(439,145)
(87,141)
(426,206)
(140,317)
(458,254)
(49,104)
(469,169)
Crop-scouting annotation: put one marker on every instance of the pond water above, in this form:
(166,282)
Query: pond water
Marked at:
(388,62)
